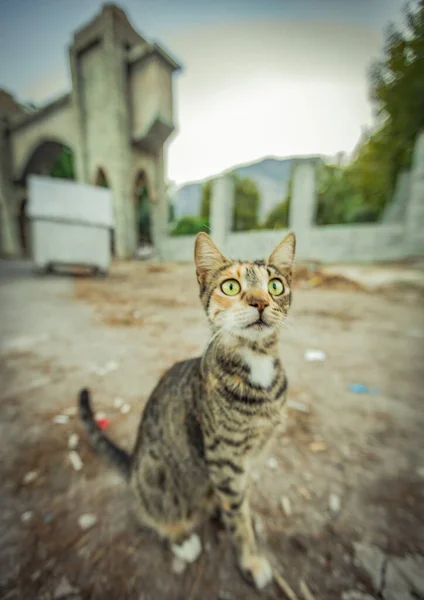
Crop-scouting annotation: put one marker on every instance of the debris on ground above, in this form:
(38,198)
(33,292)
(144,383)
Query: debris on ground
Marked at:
(61,419)
(315,355)
(125,408)
(64,590)
(27,516)
(87,521)
(360,388)
(102,420)
(71,411)
(318,446)
(304,492)
(334,503)
(73,441)
(272,463)
(118,402)
(284,586)
(298,406)
(76,461)
(30,477)
(286,505)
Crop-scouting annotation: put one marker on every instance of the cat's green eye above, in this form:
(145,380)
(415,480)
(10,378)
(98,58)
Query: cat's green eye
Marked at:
(275,287)
(231,287)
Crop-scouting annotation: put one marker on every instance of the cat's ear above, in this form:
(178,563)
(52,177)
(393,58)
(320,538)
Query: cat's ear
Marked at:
(283,255)
(206,256)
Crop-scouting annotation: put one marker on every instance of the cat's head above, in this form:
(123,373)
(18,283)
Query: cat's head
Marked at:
(249,299)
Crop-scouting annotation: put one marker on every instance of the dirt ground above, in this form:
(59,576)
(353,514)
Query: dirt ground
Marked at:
(350,467)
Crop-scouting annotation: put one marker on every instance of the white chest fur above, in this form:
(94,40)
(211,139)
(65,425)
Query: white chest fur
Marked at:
(261,367)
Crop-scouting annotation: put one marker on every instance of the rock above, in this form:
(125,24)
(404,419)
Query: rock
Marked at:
(118,402)
(87,521)
(64,590)
(30,477)
(125,409)
(286,505)
(334,503)
(372,560)
(178,565)
(412,570)
(314,355)
(356,595)
(61,419)
(272,463)
(27,516)
(395,585)
(76,461)
(73,441)
(318,446)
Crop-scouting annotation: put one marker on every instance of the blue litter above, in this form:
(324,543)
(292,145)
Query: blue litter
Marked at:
(360,388)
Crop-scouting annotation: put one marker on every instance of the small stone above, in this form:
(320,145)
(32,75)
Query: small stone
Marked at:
(87,521)
(64,589)
(178,565)
(272,463)
(125,408)
(118,402)
(30,477)
(315,355)
(76,461)
(73,441)
(286,505)
(27,516)
(334,503)
(318,446)
(61,419)
(305,493)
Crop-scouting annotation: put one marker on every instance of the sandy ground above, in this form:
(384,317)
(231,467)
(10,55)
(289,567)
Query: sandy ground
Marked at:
(350,466)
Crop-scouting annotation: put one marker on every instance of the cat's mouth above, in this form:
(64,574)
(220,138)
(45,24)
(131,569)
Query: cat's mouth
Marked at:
(258,324)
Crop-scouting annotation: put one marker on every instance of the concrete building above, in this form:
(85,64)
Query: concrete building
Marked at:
(116,120)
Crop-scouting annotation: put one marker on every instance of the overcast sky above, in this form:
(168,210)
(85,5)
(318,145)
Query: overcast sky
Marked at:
(261,77)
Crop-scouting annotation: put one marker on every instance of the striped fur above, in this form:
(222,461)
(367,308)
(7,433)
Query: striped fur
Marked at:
(209,419)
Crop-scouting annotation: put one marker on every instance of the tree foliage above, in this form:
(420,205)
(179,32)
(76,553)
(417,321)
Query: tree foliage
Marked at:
(245,206)
(63,167)
(190,225)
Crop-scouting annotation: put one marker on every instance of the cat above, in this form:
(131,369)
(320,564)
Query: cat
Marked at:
(210,418)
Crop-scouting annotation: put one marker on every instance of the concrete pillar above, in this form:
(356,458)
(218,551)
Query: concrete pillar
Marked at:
(395,210)
(9,238)
(414,225)
(221,209)
(159,207)
(303,201)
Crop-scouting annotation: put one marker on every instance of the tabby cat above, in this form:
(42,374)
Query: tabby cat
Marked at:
(209,418)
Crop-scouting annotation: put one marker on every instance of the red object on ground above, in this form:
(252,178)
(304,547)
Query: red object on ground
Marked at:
(103,423)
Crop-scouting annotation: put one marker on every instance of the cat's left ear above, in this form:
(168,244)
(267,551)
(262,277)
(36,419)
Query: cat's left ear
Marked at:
(283,255)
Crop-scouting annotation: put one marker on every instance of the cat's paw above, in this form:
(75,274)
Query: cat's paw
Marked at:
(257,570)
(189,550)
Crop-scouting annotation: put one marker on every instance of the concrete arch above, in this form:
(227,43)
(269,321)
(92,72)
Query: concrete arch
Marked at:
(40,157)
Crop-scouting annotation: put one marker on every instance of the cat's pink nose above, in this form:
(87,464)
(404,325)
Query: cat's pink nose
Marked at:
(259,303)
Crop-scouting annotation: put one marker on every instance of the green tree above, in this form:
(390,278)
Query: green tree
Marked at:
(398,90)
(190,225)
(278,218)
(63,167)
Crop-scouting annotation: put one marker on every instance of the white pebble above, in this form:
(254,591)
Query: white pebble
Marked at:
(30,477)
(61,419)
(73,441)
(86,521)
(314,355)
(99,416)
(286,505)
(26,516)
(334,503)
(125,409)
(75,459)
(272,463)
(118,402)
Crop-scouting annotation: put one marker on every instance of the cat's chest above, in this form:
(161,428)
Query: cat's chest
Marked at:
(261,368)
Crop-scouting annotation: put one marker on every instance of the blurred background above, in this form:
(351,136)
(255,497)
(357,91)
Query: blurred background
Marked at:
(125,129)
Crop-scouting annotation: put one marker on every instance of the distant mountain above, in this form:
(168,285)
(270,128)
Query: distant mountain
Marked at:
(271,175)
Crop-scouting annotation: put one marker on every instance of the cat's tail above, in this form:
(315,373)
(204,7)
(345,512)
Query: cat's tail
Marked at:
(98,439)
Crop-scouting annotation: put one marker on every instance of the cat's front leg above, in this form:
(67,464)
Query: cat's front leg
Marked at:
(232,492)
